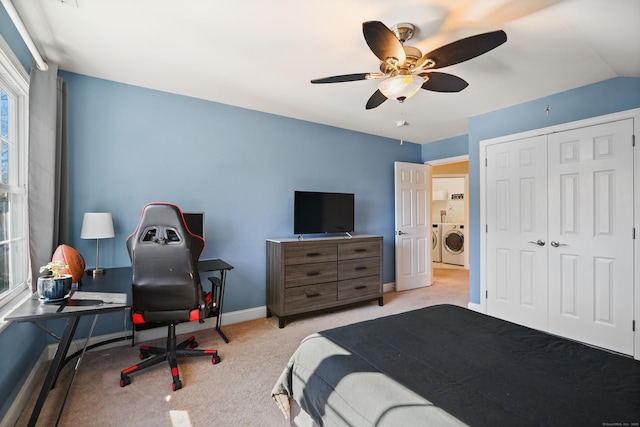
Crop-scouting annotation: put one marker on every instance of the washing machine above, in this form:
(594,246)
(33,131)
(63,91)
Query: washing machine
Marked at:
(436,245)
(452,243)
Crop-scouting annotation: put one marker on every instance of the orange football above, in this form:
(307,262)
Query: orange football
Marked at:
(72,258)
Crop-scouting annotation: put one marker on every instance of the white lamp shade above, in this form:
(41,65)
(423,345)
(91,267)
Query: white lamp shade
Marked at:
(97,225)
(403,86)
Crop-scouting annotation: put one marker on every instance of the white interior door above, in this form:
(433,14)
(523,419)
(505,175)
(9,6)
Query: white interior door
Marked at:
(516,204)
(413,225)
(590,233)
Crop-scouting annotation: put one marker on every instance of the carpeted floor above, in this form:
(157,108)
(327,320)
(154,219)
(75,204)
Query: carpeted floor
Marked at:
(236,392)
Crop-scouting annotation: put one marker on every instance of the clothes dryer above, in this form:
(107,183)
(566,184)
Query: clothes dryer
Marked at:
(453,243)
(436,245)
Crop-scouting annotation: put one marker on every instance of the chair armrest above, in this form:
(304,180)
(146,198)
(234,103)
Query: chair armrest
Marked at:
(215,281)
(216,284)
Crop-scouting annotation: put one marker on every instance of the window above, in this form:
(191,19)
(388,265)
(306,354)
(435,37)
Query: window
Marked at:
(14,247)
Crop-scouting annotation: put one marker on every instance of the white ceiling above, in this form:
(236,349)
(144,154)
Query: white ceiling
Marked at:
(262,54)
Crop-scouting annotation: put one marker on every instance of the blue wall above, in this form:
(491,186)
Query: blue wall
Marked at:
(445,148)
(10,35)
(597,99)
(130,146)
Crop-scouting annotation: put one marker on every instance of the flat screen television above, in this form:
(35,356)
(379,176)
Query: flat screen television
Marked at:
(319,212)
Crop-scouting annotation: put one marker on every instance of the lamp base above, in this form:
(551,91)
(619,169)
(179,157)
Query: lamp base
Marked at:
(97,271)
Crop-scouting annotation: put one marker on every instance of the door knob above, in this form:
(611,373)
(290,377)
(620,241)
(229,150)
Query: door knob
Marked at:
(557,244)
(400,233)
(540,242)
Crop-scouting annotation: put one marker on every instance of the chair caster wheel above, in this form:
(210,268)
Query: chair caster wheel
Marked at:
(124,381)
(215,359)
(177,385)
(143,355)
(193,344)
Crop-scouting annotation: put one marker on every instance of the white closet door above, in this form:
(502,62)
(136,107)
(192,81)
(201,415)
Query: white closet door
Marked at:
(516,203)
(590,235)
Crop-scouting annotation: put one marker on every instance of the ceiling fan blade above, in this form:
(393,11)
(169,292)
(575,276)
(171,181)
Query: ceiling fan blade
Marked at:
(343,78)
(462,50)
(382,42)
(443,82)
(376,99)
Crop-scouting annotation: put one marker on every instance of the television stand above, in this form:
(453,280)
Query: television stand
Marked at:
(309,275)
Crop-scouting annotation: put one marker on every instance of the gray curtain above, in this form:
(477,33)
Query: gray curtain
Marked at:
(48,175)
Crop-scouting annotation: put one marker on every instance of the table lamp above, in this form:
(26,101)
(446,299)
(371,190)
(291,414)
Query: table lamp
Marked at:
(97,225)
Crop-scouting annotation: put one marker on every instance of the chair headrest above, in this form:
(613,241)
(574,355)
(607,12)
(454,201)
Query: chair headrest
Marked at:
(162,223)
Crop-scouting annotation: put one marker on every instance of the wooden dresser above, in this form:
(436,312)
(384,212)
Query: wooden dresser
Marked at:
(321,273)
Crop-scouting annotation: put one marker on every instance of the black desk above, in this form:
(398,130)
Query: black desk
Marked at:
(217,287)
(80,303)
(115,281)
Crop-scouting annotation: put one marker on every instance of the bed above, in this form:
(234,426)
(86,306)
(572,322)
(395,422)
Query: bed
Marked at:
(447,365)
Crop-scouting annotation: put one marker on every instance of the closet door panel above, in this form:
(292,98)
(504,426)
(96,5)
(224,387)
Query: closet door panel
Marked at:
(590,235)
(516,191)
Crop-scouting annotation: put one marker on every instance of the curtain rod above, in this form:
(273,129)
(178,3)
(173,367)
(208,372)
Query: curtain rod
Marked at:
(15,18)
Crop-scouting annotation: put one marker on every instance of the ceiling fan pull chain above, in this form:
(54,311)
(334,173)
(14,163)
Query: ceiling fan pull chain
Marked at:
(402,123)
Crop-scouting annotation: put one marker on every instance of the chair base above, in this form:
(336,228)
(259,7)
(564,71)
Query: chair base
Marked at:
(170,354)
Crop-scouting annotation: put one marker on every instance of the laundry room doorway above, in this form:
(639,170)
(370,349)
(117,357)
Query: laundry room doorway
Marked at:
(450,212)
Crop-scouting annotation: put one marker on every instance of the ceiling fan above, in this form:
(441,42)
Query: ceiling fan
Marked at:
(405,70)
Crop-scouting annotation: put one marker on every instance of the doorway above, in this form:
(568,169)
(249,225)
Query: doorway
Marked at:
(450,213)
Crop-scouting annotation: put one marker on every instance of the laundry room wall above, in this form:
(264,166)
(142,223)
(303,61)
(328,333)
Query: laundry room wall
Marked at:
(448,189)
(448,200)
(451,168)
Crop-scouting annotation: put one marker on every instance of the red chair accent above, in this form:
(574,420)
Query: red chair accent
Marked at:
(137,318)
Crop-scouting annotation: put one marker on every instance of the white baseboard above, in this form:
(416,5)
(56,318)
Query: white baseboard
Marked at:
(475,307)
(244,315)
(182,328)
(388,287)
(26,393)
(78,344)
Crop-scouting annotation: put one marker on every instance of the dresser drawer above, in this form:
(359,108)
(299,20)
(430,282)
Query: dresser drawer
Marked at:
(307,274)
(304,298)
(354,250)
(355,268)
(302,253)
(362,287)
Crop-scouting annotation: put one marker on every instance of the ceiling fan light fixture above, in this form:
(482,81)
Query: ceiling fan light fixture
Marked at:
(401,87)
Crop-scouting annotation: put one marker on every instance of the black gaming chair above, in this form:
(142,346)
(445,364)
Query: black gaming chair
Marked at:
(166,285)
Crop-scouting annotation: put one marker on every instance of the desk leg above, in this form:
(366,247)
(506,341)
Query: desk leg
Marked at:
(55,368)
(75,370)
(224,337)
(223,279)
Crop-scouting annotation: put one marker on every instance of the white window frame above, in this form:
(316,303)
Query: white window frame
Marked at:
(16,81)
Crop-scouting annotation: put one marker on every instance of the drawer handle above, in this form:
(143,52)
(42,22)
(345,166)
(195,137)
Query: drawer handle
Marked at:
(360,287)
(313,273)
(311,254)
(360,250)
(312,294)
(360,268)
